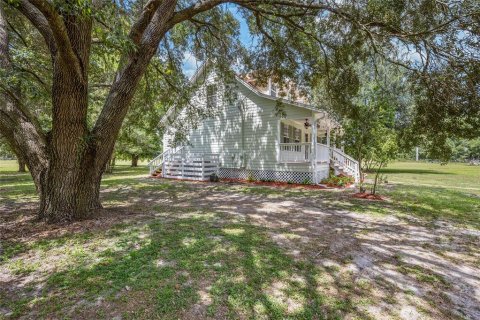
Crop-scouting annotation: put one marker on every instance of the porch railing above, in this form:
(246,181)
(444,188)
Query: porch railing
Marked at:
(295,152)
(323,153)
(158,161)
(302,153)
(348,164)
(192,166)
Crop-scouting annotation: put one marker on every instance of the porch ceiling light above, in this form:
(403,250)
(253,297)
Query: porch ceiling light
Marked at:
(307,124)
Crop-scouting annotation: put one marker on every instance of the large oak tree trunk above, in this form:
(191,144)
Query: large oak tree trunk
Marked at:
(71,194)
(67,163)
(70,188)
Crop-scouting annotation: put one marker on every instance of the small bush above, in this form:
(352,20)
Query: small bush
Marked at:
(214,177)
(338,181)
(306,181)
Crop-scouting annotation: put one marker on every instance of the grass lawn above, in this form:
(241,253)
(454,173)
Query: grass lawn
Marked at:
(433,191)
(164,249)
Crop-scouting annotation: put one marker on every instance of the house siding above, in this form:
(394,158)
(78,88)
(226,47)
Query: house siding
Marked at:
(221,133)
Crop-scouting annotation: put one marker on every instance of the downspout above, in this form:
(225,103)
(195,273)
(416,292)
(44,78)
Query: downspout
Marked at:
(314,144)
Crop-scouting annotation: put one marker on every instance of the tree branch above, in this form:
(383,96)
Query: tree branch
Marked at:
(17,124)
(60,34)
(37,20)
(129,74)
(193,10)
(142,22)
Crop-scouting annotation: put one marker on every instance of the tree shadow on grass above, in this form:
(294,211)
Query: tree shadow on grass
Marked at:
(14,177)
(429,204)
(15,185)
(210,253)
(192,268)
(320,219)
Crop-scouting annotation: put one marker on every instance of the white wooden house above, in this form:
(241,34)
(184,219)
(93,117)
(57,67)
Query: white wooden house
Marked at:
(245,138)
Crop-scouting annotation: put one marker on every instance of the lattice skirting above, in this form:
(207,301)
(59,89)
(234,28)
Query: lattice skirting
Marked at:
(266,175)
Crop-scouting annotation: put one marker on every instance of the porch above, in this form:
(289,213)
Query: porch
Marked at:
(302,153)
(301,141)
(317,141)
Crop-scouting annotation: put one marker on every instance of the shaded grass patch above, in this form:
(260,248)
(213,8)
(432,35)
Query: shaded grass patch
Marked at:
(172,264)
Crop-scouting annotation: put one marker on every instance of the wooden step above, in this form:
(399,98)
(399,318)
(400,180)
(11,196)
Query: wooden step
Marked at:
(157,173)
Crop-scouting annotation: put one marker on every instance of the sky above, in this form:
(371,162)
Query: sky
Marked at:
(190,64)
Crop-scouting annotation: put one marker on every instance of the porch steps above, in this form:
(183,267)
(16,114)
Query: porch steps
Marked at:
(342,163)
(157,172)
(188,166)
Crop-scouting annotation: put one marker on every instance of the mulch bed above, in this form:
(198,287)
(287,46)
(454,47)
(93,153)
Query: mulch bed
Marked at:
(331,185)
(368,196)
(274,184)
(277,184)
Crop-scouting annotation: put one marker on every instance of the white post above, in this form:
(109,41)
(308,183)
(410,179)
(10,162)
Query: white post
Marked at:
(416,154)
(279,140)
(328,136)
(314,148)
(183,167)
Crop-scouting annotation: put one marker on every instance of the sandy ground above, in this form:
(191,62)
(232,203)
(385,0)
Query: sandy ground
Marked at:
(413,270)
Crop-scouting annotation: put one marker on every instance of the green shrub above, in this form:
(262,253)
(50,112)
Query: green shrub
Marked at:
(338,181)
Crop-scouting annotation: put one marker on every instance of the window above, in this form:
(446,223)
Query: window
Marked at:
(290,134)
(322,138)
(212,96)
(298,135)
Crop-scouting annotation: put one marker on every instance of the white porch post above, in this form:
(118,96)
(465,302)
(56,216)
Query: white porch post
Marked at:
(314,148)
(279,139)
(328,136)
(342,143)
